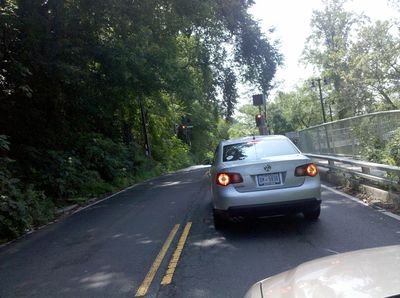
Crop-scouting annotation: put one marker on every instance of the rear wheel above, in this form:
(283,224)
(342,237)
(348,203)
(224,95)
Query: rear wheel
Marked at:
(219,221)
(313,215)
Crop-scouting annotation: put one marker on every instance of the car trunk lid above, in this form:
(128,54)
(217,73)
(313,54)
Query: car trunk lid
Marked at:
(269,173)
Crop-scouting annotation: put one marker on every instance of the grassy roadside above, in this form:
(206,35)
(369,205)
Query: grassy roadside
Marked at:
(73,204)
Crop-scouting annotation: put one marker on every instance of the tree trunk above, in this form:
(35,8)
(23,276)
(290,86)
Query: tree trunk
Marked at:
(387,99)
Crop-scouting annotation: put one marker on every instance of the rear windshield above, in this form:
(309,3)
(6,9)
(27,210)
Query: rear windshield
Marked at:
(258,149)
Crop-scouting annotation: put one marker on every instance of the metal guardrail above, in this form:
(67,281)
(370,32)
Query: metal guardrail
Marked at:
(375,172)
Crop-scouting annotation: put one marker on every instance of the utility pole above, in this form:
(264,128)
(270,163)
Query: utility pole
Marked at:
(321,100)
(145,136)
(323,111)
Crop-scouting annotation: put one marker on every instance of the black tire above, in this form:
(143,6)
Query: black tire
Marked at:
(313,215)
(219,221)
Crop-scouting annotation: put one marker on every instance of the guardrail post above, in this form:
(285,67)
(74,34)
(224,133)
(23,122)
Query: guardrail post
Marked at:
(366,170)
(353,149)
(331,164)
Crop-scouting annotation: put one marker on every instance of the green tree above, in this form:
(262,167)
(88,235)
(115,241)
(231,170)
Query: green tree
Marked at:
(295,110)
(375,65)
(327,49)
(229,93)
(244,124)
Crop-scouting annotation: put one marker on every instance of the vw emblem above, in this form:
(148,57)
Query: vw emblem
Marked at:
(267,168)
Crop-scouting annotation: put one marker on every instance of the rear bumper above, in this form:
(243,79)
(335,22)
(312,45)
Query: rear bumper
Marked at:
(278,208)
(225,198)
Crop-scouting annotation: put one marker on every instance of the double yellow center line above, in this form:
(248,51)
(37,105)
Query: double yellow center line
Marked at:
(167,279)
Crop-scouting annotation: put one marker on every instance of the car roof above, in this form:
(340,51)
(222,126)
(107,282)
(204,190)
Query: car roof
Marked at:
(253,138)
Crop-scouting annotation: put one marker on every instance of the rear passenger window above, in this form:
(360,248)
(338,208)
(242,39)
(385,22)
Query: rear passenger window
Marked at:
(238,151)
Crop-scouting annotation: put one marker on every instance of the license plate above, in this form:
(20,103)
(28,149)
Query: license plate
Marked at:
(269,179)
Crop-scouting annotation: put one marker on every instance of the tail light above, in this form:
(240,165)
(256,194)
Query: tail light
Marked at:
(225,179)
(306,170)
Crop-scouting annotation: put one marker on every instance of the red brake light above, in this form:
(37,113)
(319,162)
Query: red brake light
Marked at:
(225,179)
(312,170)
(306,170)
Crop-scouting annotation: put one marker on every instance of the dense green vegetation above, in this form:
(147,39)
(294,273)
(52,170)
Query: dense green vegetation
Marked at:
(73,74)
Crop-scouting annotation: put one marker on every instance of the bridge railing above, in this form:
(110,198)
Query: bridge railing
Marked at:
(350,137)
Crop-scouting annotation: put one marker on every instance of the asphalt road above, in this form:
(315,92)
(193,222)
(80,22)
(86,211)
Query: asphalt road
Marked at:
(113,248)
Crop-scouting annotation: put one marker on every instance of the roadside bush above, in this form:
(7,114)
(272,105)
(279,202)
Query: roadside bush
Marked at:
(100,154)
(392,150)
(21,208)
(370,143)
(96,165)
(372,148)
(61,175)
(172,154)
(178,154)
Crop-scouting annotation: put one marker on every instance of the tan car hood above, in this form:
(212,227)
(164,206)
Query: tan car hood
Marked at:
(365,273)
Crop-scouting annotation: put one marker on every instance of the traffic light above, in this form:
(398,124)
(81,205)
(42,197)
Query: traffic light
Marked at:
(260,120)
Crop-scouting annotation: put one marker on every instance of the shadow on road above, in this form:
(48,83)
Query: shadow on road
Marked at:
(268,227)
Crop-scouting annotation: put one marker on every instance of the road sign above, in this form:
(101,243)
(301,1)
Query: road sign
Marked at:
(258,100)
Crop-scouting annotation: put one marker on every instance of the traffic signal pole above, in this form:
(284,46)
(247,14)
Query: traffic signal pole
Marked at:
(259,100)
(261,128)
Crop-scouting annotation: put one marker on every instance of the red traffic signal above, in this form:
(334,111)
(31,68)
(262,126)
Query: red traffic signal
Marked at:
(260,120)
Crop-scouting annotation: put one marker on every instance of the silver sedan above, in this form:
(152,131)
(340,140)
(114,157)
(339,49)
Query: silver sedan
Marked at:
(261,176)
